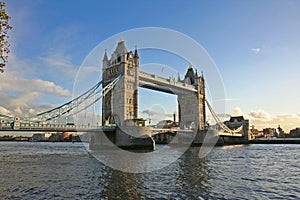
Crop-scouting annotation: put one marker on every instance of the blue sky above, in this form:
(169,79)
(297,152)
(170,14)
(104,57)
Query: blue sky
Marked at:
(255,45)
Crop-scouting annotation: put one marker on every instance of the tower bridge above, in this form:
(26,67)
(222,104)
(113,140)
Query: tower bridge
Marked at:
(122,102)
(121,80)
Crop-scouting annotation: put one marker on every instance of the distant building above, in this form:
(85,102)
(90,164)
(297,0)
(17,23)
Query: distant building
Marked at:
(281,133)
(165,124)
(256,133)
(295,133)
(270,132)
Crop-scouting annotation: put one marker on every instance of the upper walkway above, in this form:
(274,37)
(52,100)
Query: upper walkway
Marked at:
(168,85)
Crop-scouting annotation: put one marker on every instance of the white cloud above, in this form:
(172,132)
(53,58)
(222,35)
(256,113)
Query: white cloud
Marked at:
(59,64)
(255,50)
(224,115)
(28,84)
(22,95)
(150,112)
(153,112)
(60,67)
(4,111)
(23,104)
(260,114)
(20,85)
(19,68)
(23,92)
(237,111)
(58,61)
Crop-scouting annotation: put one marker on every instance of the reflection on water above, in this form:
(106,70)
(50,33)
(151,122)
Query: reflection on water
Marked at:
(68,171)
(177,180)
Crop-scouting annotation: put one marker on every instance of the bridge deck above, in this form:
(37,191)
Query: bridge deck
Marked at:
(46,127)
(26,127)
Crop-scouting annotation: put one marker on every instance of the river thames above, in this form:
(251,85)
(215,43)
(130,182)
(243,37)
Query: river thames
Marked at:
(34,170)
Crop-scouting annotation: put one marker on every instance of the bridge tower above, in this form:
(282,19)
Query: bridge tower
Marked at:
(191,105)
(125,94)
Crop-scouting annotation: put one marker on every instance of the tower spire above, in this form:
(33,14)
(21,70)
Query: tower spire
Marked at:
(105,56)
(105,60)
(121,39)
(136,55)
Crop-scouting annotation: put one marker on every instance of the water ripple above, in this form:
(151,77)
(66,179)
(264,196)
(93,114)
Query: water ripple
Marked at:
(67,171)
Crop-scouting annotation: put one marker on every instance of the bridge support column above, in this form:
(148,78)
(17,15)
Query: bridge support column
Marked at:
(121,103)
(134,138)
(239,140)
(125,138)
(192,114)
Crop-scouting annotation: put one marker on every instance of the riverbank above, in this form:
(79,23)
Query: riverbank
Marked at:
(275,141)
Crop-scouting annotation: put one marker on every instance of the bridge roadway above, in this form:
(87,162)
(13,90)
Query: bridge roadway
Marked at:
(46,127)
(25,127)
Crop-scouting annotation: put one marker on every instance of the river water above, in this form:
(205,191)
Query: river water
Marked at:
(33,170)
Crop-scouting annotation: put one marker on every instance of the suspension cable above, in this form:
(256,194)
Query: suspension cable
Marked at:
(220,123)
(65,109)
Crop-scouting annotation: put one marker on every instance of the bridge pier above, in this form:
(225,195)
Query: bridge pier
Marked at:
(133,137)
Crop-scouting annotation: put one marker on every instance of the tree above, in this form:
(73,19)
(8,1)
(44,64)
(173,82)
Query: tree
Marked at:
(4,44)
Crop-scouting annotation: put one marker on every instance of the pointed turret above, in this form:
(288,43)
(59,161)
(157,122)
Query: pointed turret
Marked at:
(105,60)
(136,57)
(178,76)
(190,75)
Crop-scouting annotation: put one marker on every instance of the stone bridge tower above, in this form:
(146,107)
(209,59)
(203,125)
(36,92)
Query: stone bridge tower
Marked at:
(120,105)
(192,104)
